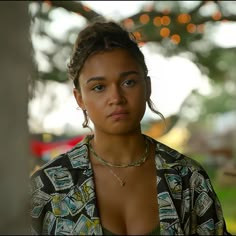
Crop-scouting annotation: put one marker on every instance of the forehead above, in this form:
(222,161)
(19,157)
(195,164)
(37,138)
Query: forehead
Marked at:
(115,59)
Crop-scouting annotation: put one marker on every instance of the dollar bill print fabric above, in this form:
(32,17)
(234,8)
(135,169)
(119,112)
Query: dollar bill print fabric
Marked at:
(63,199)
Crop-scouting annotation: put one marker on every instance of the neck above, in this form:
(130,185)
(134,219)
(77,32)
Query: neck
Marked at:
(119,149)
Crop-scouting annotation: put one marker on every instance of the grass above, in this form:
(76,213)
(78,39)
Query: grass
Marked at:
(226,195)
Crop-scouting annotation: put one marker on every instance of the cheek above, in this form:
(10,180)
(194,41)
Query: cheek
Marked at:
(95,111)
(141,101)
(92,105)
(141,95)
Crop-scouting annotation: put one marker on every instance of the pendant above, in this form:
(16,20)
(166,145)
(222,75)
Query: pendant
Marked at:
(122,183)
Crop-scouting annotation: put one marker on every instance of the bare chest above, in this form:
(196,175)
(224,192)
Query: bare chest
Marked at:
(131,208)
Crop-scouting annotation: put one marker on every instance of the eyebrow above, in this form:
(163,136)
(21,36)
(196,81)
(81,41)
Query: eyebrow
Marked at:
(122,74)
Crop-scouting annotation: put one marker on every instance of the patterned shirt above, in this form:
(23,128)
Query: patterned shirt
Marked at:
(63,198)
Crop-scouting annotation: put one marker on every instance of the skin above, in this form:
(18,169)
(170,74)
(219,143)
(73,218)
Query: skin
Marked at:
(114,92)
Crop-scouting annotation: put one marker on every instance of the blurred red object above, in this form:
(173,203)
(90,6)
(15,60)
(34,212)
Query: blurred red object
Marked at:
(39,148)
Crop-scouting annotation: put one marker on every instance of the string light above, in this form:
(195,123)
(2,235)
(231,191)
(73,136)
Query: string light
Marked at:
(144,18)
(175,39)
(165,20)
(183,18)
(129,23)
(137,35)
(191,28)
(217,15)
(164,32)
(157,21)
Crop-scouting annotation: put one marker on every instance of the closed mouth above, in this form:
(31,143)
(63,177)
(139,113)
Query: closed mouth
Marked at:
(118,113)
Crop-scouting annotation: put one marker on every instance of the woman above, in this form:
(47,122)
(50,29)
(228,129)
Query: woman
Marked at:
(117,180)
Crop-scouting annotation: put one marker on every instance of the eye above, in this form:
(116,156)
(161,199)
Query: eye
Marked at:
(98,88)
(129,83)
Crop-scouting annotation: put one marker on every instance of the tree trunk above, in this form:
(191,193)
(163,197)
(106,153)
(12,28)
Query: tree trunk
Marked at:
(16,67)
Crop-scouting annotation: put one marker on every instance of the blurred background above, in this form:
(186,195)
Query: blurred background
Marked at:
(190,50)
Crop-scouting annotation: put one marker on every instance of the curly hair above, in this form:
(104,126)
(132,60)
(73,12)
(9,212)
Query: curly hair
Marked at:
(101,36)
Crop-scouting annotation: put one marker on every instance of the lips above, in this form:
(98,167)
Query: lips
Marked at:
(119,113)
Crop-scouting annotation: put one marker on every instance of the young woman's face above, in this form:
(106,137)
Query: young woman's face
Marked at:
(113,91)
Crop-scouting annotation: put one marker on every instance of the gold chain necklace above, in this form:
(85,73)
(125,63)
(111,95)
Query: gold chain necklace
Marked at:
(122,182)
(132,164)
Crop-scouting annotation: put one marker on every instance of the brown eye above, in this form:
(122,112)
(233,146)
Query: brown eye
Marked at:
(129,83)
(98,88)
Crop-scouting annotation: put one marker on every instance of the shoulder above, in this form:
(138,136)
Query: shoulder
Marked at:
(74,158)
(62,169)
(173,165)
(167,157)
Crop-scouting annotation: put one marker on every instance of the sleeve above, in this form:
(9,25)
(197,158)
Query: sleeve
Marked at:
(39,202)
(207,215)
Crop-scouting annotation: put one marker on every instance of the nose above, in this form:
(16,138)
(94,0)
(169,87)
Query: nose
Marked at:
(116,95)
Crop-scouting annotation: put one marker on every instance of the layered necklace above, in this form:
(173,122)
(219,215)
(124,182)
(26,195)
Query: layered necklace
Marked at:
(136,163)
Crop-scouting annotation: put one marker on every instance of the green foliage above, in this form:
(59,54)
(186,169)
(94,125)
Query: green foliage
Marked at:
(216,62)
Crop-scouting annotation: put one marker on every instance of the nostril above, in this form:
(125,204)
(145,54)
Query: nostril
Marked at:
(117,100)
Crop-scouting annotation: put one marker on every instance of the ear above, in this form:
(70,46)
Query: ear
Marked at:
(78,98)
(148,87)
